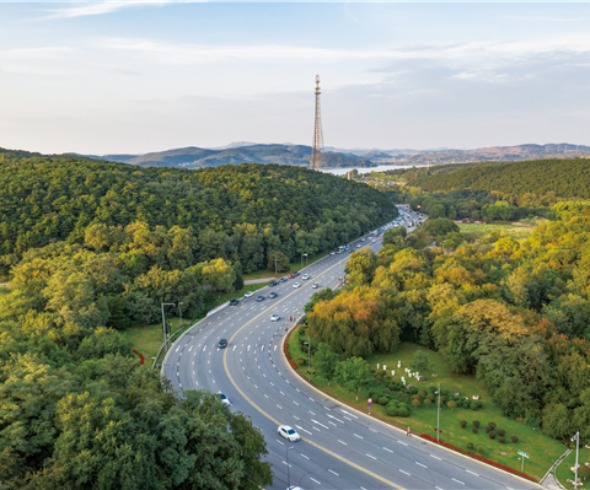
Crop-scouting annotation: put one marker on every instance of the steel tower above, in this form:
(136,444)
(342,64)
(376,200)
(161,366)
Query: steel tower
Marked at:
(318,137)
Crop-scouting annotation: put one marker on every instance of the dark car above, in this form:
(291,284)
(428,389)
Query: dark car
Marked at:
(259,298)
(273,294)
(234,302)
(272,283)
(222,344)
(283,279)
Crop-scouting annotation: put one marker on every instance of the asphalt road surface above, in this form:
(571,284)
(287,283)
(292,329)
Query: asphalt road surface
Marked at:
(341,448)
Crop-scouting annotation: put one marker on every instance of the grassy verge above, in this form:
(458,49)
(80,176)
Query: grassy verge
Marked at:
(543,451)
(565,474)
(519,229)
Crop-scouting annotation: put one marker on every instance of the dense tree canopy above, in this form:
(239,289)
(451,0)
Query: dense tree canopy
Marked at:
(241,213)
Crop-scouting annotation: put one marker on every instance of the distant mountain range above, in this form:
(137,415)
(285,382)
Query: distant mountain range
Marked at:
(194,157)
(288,154)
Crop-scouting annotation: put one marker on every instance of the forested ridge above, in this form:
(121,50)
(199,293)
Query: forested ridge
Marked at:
(562,178)
(92,247)
(240,213)
(514,313)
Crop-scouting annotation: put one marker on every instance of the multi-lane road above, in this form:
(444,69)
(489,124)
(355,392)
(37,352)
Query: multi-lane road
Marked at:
(340,447)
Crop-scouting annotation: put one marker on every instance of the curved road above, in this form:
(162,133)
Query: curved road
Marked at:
(340,447)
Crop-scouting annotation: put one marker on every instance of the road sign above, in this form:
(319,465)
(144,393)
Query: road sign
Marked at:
(522,453)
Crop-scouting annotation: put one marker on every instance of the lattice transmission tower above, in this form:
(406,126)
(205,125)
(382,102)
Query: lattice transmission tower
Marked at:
(318,137)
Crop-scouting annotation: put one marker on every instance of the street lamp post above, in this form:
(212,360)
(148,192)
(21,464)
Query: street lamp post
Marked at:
(164,323)
(309,359)
(179,315)
(303,255)
(577,438)
(438,416)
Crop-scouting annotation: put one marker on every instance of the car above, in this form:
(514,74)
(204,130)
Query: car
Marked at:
(294,487)
(332,252)
(275,317)
(305,277)
(248,294)
(283,279)
(358,245)
(296,285)
(234,302)
(223,398)
(259,298)
(288,433)
(315,285)
(272,283)
(273,294)
(222,344)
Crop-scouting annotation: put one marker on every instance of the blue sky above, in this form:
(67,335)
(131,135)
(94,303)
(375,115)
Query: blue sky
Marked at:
(139,75)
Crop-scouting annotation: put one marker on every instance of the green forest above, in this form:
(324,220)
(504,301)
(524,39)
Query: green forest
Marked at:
(245,214)
(513,313)
(90,248)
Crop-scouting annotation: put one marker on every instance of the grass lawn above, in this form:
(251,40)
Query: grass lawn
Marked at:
(519,229)
(148,339)
(543,451)
(564,470)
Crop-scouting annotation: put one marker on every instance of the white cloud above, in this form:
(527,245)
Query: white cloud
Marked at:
(109,6)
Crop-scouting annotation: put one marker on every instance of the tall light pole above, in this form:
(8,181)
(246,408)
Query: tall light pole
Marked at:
(438,416)
(179,315)
(308,343)
(164,323)
(577,438)
(303,255)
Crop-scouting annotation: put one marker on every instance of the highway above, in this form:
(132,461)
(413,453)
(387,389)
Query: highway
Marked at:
(340,447)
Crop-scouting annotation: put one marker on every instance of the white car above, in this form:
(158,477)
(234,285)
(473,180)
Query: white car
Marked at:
(275,317)
(315,285)
(305,277)
(248,294)
(223,398)
(288,433)
(296,285)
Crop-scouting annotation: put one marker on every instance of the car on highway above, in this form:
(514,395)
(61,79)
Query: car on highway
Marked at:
(296,285)
(275,317)
(259,298)
(288,433)
(222,344)
(305,277)
(283,279)
(234,302)
(247,294)
(223,398)
(273,294)
(272,283)
(315,285)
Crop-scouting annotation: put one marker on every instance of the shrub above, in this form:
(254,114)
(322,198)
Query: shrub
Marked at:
(492,434)
(501,439)
(412,390)
(501,432)
(476,405)
(392,410)
(491,426)
(416,402)
(403,412)
(470,446)
(481,450)
(466,403)
(383,400)
(301,361)
(514,439)
(427,401)
(463,423)
(476,423)
(474,429)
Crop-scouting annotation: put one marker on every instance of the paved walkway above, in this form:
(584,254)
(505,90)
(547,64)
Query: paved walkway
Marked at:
(549,481)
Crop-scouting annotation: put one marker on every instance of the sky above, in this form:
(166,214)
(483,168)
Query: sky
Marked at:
(135,76)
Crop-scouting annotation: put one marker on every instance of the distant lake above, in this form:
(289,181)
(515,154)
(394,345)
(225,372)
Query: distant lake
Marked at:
(366,170)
